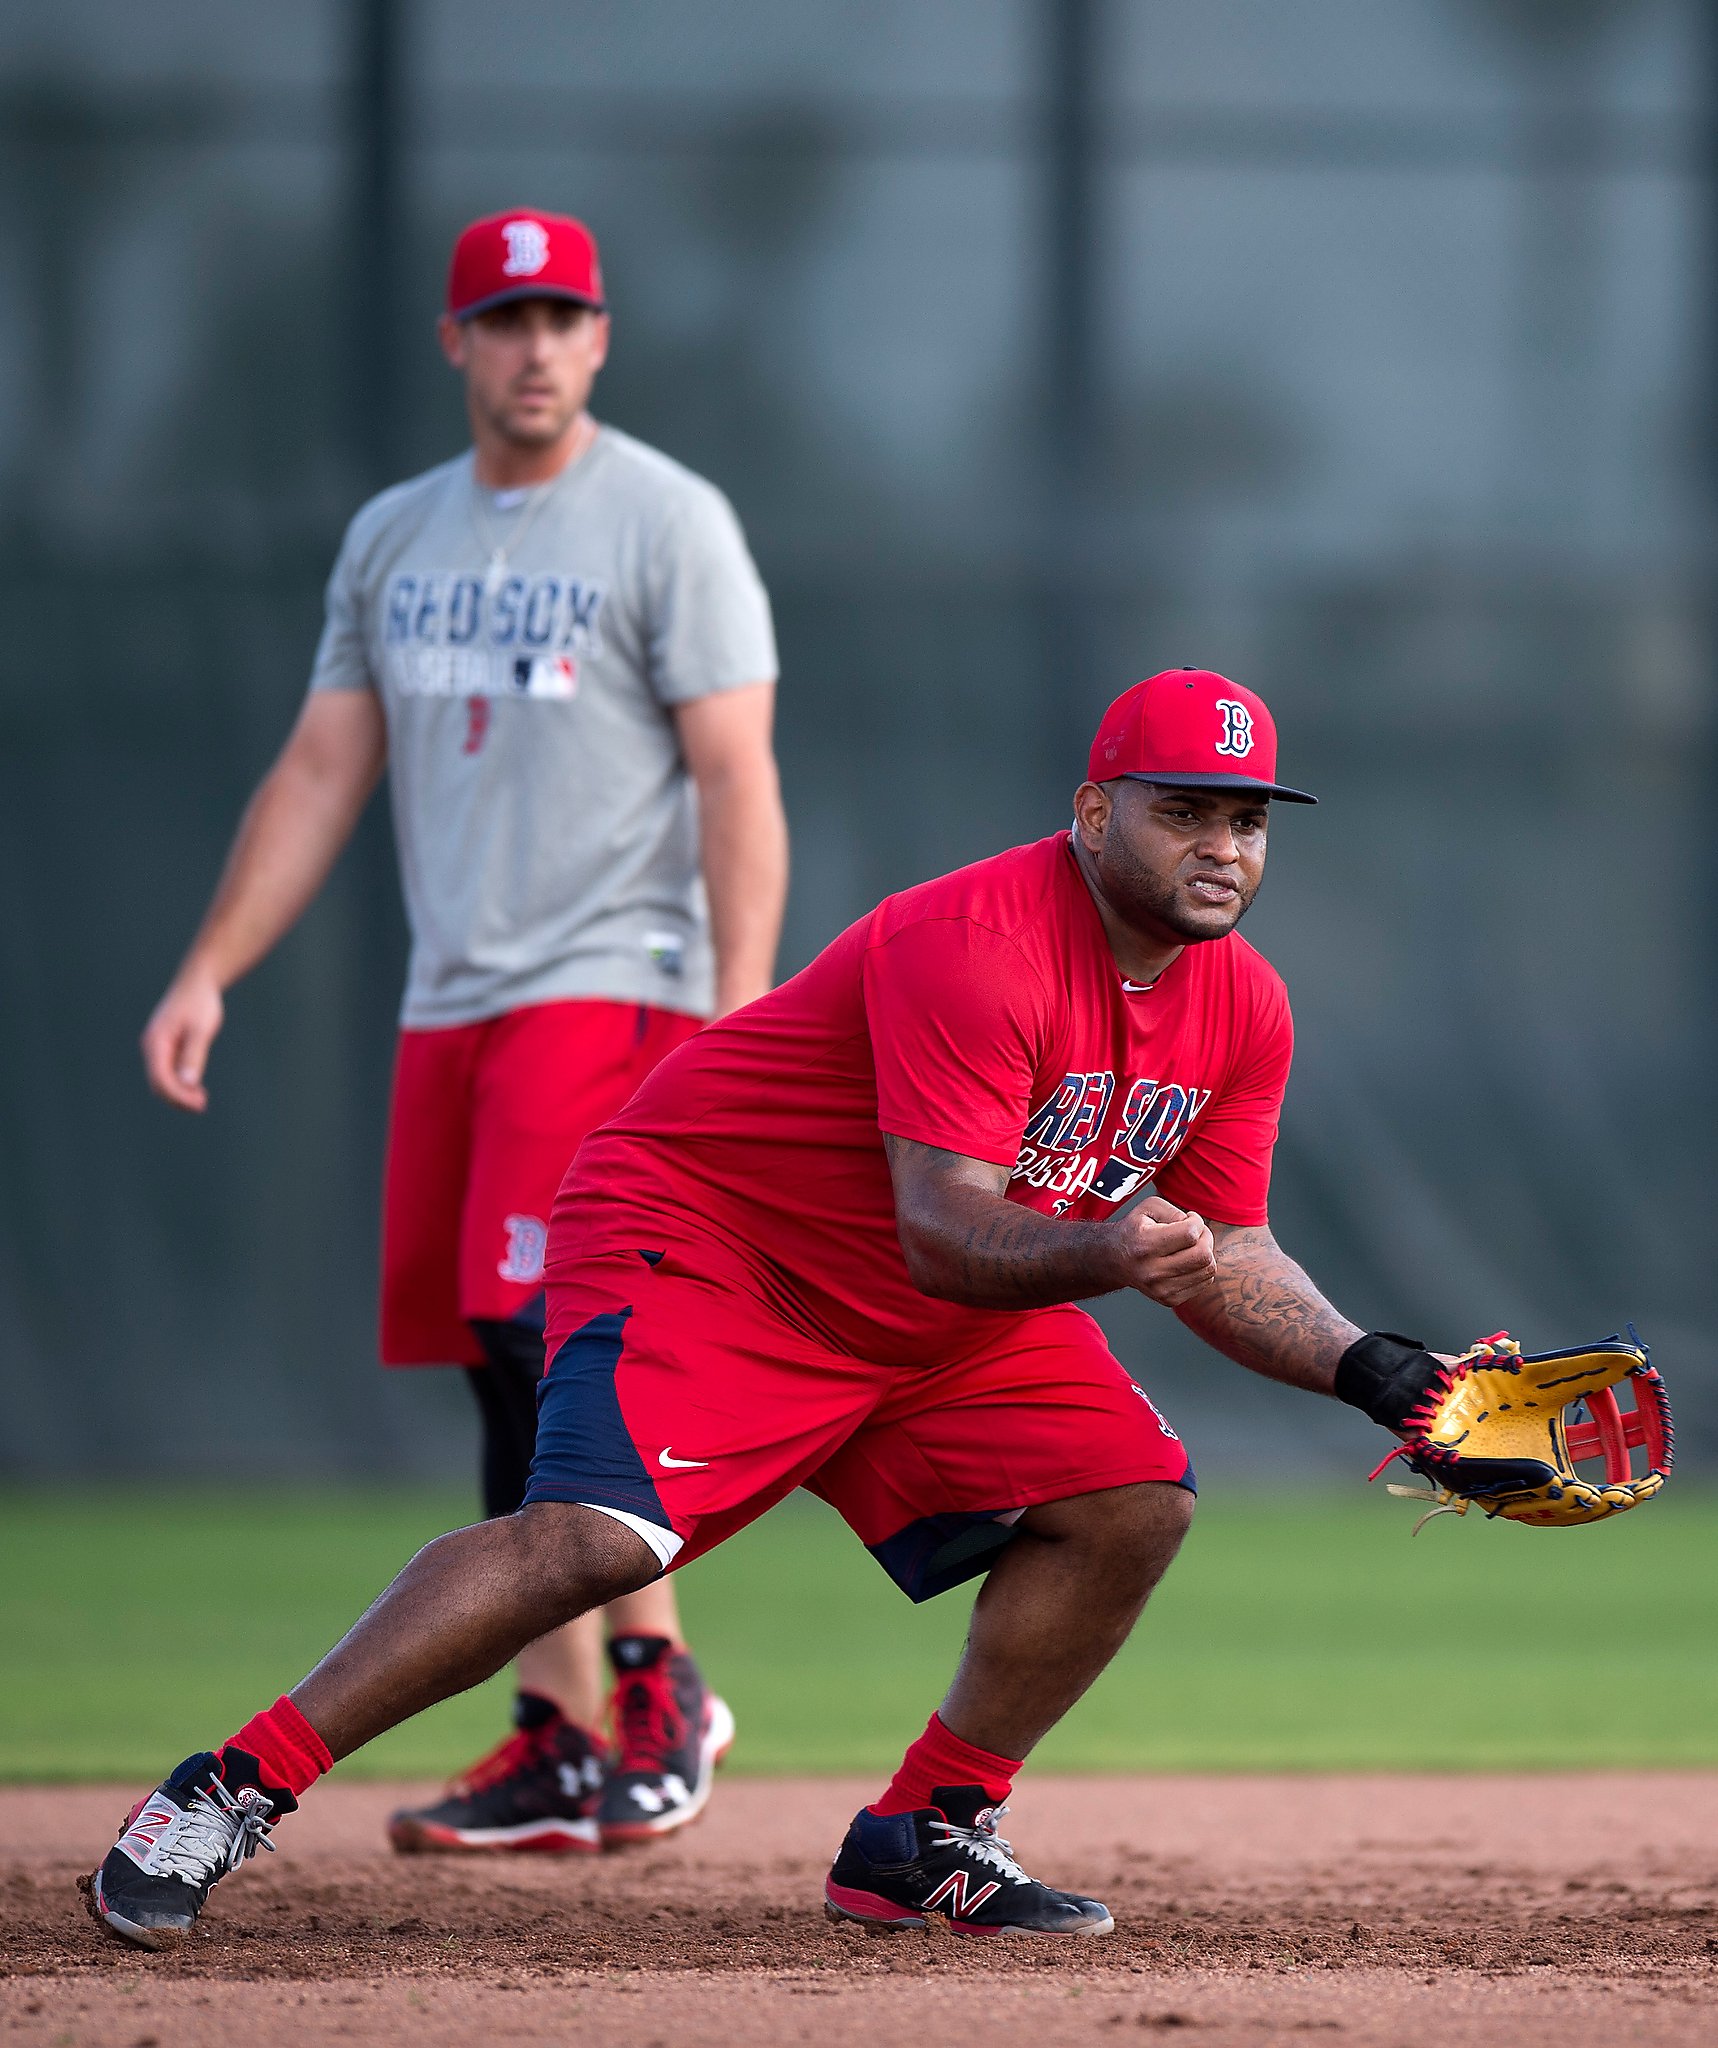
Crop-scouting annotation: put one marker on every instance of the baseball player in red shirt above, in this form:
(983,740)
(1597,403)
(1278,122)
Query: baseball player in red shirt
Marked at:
(560,650)
(836,1241)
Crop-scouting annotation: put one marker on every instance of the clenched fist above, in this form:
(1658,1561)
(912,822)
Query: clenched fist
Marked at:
(1167,1253)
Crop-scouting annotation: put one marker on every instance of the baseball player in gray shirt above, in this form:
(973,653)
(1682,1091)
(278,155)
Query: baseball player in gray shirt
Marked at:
(560,651)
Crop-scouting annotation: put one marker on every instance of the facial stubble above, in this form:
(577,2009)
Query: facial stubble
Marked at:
(1140,892)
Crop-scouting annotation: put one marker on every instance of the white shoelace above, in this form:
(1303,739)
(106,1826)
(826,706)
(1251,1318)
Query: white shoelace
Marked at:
(217,1834)
(985,1845)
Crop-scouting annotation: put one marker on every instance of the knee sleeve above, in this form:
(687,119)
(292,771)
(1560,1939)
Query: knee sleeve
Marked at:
(506,1394)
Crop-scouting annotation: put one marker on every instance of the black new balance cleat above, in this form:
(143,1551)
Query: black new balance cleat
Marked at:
(895,1869)
(177,1844)
(671,1731)
(537,1792)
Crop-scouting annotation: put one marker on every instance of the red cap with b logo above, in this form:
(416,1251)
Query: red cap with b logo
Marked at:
(523,256)
(1192,729)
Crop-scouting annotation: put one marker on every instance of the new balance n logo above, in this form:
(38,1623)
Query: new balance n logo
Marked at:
(962,1902)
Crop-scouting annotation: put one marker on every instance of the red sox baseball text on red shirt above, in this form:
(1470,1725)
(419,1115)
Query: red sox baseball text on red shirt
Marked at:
(1060,1152)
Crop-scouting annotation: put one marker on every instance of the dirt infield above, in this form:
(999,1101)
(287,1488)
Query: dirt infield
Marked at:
(1249,1910)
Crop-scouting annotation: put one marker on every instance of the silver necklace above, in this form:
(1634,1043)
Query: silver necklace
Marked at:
(499,549)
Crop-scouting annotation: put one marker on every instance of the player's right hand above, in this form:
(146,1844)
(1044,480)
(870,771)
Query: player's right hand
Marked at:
(177,1038)
(1169,1251)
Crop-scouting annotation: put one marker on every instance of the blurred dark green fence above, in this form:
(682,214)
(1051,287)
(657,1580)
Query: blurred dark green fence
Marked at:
(1361,351)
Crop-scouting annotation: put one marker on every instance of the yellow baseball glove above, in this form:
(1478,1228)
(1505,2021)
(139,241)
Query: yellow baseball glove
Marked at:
(1492,1430)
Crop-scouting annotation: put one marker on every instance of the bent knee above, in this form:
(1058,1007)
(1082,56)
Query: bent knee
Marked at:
(1146,1520)
(1139,1543)
(1174,1502)
(1152,1516)
(581,1557)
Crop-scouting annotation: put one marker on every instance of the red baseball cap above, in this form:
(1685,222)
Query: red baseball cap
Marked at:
(1192,729)
(522,255)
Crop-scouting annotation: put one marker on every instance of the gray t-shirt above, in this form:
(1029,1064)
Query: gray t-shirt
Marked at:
(527,649)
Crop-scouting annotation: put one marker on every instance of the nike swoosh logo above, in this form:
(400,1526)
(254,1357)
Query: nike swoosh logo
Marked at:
(675,1464)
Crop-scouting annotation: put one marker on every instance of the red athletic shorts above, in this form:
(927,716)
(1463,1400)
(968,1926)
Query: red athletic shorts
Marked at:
(680,1401)
(484,1120)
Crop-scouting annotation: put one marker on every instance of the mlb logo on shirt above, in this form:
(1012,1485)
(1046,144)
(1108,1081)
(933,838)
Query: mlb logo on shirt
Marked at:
(1118,1180)
(545,675)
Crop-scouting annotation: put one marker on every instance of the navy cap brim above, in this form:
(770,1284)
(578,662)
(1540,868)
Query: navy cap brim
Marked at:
(529,291)
(1186,779)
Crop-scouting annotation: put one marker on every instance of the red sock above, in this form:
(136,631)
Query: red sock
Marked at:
(938,1758)
(289,1752)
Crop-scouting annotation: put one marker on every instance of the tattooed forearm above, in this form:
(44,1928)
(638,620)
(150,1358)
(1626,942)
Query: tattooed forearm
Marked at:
(1265,1313)
(1018,1259)
(965,1242)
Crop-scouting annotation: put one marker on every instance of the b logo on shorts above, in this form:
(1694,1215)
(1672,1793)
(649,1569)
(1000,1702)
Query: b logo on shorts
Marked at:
(1237,737)
(527,248)
(527,1241)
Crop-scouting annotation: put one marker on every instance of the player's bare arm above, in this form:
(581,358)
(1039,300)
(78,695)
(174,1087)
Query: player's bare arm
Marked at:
(1264,1312)
(292,831)
(964,1241)
(742,832)
(1233,1286)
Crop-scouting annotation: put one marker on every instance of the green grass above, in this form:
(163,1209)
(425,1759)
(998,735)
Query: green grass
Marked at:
(1293,1633)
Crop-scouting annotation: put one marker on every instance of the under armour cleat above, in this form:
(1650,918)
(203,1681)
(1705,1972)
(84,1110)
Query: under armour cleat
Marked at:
(671,1732)
(537,1792)
(896,1869)
(210,1816)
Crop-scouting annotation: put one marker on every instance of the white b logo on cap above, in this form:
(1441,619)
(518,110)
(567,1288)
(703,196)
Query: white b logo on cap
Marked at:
(1237,728)
(527,248)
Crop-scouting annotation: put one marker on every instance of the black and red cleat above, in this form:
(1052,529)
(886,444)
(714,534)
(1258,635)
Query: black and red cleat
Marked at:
(536,1793)
(671,1731)
(178,1843)
(894,1870)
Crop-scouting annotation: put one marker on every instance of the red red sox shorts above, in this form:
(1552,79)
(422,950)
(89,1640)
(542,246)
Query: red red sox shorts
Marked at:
(682,1403)
(484,1119)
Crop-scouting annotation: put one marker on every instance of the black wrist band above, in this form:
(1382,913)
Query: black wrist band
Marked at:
(1384,1376)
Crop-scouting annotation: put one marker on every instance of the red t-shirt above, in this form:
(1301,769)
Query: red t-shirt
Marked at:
(983,1013)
